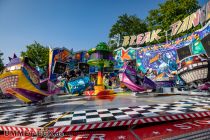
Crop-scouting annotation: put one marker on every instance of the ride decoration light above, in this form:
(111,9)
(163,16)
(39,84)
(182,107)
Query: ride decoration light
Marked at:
(34,78)
(195,75)
(9,82)
(192,66)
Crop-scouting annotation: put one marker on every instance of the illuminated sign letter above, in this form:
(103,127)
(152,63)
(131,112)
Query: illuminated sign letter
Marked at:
(155,35)
(132,40)
(208,11)
(139,39)
(126,41)
(184,25)
(175,27)
(146,38)
(203,14)
(194,19)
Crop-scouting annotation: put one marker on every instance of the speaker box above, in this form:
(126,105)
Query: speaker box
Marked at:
(183,52)
(206,44)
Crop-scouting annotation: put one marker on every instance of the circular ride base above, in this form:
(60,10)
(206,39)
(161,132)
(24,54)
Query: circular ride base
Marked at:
(99,91)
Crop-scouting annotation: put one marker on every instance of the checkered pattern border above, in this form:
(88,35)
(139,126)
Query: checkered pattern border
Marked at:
(129,122)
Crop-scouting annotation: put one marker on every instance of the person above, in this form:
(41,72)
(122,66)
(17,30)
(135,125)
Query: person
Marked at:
(66,74)
(104,77)
(67,77)
(106,80)
(78,72)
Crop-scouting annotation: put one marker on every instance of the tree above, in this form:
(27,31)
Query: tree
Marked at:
(38,53)
(1,62)
(169,12)
(128,25)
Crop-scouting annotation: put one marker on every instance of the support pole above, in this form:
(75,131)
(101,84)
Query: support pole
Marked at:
(100,76)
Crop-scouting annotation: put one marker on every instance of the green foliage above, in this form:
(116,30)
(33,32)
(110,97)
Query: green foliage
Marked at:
(165,15)
(1,62)
(38,53)
(170,12)
(128,25)
(102,46)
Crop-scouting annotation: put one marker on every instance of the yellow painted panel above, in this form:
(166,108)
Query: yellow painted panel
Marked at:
(23,82)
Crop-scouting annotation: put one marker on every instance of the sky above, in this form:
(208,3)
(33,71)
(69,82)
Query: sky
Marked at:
(77,24)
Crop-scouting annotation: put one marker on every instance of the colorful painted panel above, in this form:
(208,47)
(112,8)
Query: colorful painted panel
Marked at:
(31,75)
(162,62)
(61,55)
(162,58)
(78,85)
(121,55)
(197,48)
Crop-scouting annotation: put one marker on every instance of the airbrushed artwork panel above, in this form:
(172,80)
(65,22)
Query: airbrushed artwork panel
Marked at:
(162,58)
(162,62)
(121,55)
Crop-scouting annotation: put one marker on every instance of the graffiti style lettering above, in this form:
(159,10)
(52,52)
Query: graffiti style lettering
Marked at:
(175,27)
(199,17)
(139,39)
(155,35)
(208,11)
(132,40)
(126,40)
(147,37)
(184,25)
(194,20)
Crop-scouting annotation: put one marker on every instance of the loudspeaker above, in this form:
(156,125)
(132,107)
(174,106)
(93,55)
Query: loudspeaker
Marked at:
(183,52)
(206,44)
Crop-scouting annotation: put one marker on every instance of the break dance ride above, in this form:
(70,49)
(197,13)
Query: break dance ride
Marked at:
(20,80)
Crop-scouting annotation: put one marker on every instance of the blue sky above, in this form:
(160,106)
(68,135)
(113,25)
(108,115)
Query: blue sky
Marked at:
(77,24)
